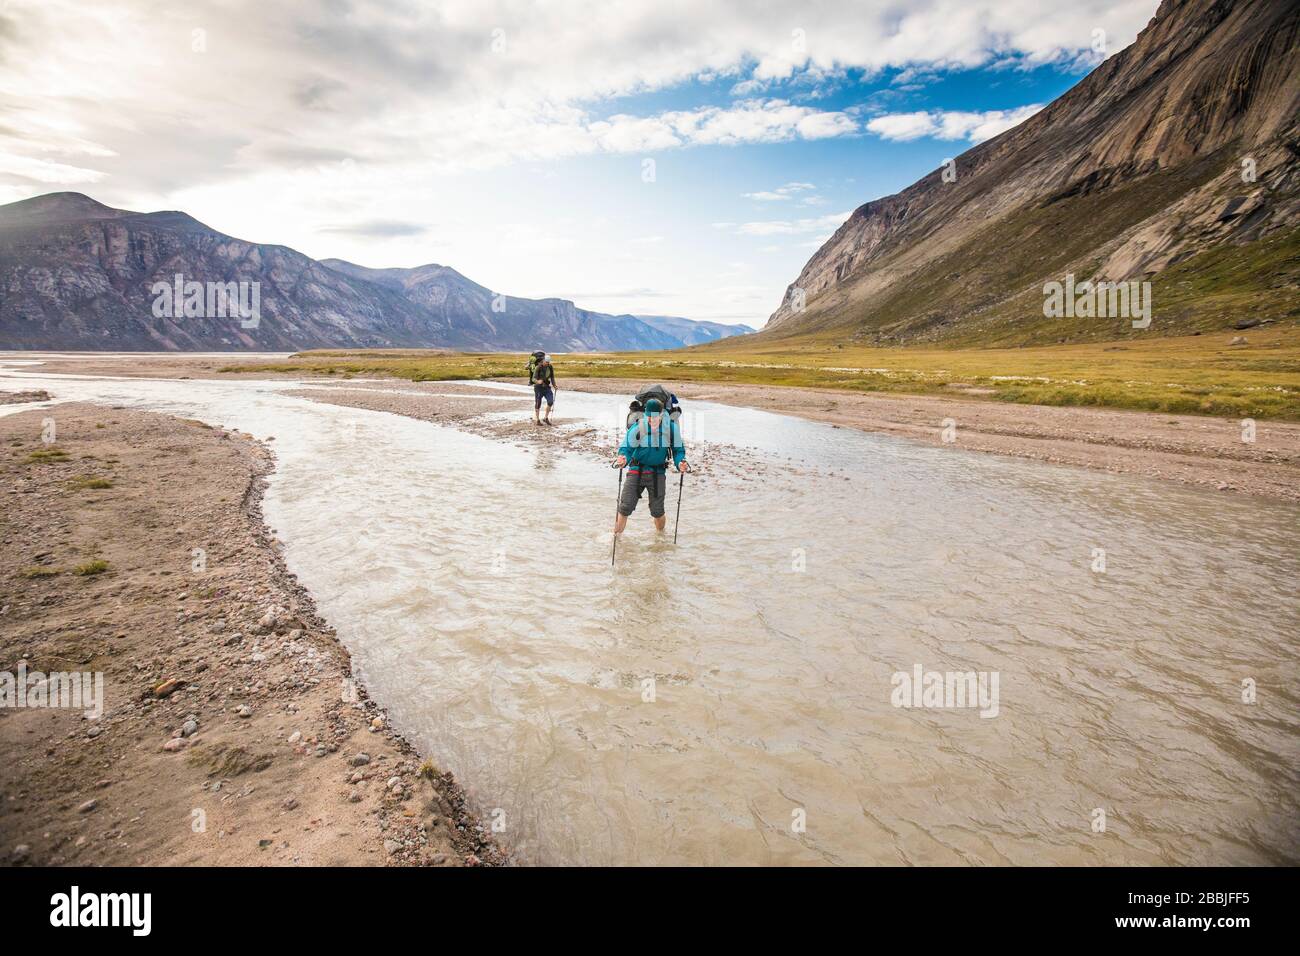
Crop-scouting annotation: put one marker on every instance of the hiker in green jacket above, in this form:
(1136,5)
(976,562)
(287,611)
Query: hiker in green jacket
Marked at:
(645,451)
(542,375)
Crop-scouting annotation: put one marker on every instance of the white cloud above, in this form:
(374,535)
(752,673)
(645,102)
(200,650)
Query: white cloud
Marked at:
(949,124)
(748,87)
(47,171)
(758,121)
(497,136)
(903,126)
(817,125)
(792,227)
(781,193)
(156,104)
(914,78)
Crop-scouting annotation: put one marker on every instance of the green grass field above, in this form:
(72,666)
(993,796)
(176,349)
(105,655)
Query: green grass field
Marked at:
(1198,374)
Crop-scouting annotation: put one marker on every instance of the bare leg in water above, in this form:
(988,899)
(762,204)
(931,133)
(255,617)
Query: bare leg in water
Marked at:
(620,522)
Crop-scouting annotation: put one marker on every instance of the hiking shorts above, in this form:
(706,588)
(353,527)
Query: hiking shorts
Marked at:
(543,392)
(637,481)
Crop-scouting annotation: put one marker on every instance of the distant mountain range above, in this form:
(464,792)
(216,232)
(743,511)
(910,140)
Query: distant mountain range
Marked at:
(1175,162)
(692,331)
(76,274)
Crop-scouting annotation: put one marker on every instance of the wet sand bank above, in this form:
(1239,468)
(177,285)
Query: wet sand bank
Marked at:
(231,730)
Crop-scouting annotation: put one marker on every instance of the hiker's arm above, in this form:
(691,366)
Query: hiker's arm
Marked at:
(679,449)
(624,451)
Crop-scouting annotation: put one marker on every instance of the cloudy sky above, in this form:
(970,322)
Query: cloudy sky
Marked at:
(654,157)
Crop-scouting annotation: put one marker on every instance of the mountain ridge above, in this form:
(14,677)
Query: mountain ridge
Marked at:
(77,274)
(961,261)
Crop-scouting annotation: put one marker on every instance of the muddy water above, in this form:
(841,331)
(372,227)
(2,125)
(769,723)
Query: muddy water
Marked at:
(729,699)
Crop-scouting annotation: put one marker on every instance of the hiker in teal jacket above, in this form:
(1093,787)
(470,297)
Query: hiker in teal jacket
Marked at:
(645,452)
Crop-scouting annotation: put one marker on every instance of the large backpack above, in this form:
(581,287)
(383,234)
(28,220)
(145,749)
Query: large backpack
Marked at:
(636,410)
(533,361)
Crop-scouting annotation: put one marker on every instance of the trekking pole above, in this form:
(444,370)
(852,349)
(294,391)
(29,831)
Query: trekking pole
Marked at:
(681,483)
(614,550)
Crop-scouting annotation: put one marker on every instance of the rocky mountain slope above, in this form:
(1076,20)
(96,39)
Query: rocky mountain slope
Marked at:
(1175,161)
(76,274)
(479,318)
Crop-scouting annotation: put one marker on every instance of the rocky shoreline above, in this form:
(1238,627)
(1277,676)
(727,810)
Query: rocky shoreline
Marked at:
(22,398)
(232,732)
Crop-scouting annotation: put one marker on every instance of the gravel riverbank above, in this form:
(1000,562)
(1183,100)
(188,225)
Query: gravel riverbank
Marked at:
(231,732)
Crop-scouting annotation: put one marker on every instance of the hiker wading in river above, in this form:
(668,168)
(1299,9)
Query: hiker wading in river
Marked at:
(645,450)
(542,375)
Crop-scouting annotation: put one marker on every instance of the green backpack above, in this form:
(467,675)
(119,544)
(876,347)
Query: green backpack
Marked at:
(533,361)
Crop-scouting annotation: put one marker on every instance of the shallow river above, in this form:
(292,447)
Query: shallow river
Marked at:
(732,698)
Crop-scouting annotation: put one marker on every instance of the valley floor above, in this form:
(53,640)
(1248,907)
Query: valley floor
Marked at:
(231,732)
(227,694)
(1203,450)
(1193,449)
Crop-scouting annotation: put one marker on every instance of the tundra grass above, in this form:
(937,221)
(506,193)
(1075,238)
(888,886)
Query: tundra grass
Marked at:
(1197,374)
(46,455)
(38,571)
